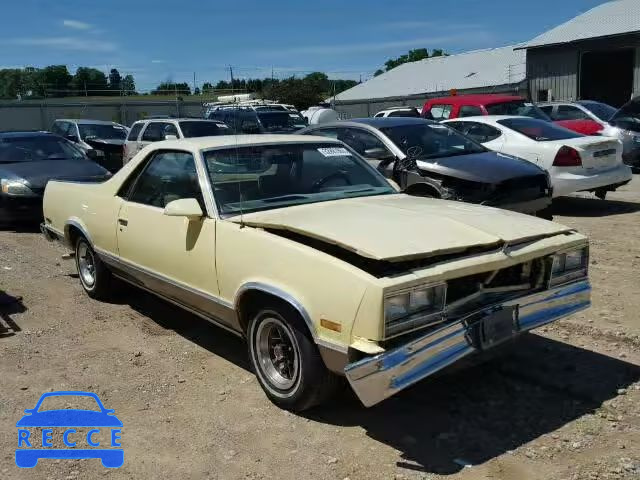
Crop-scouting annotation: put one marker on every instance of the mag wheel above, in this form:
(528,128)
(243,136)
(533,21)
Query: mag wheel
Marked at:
(94,276)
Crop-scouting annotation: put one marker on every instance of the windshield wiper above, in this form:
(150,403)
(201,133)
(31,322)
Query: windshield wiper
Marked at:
(285,198)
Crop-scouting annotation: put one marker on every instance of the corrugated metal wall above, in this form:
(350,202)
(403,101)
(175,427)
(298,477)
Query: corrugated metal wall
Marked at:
(557,68)
(34,115)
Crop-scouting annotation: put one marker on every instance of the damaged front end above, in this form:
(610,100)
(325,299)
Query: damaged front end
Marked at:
(478,312)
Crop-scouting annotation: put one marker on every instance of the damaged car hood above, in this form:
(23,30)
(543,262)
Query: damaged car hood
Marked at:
(401,227)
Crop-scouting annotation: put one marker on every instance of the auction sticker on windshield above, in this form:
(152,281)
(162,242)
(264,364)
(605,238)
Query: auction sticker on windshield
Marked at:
(334,152)
(91,431)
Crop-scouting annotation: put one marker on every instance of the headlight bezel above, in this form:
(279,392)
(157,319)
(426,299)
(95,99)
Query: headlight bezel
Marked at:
(15,188)
(421,315)
(560,273)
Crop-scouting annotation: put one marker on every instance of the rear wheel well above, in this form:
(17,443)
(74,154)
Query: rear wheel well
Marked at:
(423,190)
(252,301)
(73,233)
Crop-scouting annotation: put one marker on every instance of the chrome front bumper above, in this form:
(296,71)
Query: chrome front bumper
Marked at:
(377,378)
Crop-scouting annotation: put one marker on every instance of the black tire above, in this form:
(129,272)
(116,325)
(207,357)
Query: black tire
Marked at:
(311,382)
(100,287)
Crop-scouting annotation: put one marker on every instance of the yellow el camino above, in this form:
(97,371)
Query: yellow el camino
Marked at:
(297,244)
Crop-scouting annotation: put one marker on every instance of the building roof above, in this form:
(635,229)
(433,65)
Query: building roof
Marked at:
(615,17)
(476,69)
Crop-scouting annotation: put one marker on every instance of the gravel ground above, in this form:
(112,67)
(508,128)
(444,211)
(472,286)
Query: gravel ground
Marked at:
(563,404)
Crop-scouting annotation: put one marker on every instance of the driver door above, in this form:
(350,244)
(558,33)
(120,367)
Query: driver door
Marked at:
(173,256)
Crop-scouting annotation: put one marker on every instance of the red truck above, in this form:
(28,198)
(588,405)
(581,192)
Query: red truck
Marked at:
(457,106)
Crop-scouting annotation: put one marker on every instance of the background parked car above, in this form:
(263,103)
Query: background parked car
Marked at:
(106,138)
(458,106)
(28,160)
(398,112)
(261,119)
(144,132)
(627,120)
(432,160)
(575,162)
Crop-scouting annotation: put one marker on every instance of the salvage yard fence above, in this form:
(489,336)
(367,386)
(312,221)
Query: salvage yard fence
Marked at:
(40,114)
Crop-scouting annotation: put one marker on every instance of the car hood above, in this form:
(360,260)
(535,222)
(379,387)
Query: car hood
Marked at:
(99,143)
(486,167)
(69,418)
(401,227)
(38,173)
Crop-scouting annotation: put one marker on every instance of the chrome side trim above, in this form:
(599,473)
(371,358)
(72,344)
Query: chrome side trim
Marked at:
(205,185)
(50,233)
(178,304)
(276,292)
(76,224)
(377,378)
(195,299)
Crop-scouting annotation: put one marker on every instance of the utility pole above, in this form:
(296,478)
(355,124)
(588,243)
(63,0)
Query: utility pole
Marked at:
(231,75)
(194,83)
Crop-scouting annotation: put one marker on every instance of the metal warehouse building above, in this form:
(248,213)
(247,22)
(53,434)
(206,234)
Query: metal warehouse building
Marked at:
(497,70)
(594,56)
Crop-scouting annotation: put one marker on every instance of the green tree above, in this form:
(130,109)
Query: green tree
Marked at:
(115,81)
(89,81)
(171,88)
(56,81)
(128,85)
(378,72)
(412,56)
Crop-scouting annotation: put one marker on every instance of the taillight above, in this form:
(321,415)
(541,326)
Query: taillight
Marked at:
(567,157)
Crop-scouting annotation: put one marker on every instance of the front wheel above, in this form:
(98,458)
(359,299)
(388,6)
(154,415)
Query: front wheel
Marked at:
(94,276)
(286,361)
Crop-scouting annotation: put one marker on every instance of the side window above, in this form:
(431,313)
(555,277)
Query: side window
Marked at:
(155,132)
(440,112)
(135,132)
(378,115)
(568,112)
(469,111)
(57,128)
(548,109)
(458,126)
(168,176)
(480,132)
(70,130)
(360,140)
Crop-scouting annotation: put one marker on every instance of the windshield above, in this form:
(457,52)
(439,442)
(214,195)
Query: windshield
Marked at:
(539,130)
(202,129)
(272,121)
(89,131)
(424,141)
(601,110)
(628,117)
(249,179)
(517,107)
(37,148)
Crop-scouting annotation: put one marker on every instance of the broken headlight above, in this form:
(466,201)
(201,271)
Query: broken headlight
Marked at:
(413,308)
(568,266)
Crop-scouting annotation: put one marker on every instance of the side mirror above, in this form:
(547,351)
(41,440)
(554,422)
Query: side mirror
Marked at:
(378,153)
(185,207)
(92,154)
(170,137)
(72,138)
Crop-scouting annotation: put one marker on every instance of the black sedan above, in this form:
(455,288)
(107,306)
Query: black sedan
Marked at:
(432,160)
(28,160)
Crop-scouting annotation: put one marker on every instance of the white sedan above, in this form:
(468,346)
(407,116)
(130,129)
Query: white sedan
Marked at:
(575,162)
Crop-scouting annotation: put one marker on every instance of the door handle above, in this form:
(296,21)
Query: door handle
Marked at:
(123,222)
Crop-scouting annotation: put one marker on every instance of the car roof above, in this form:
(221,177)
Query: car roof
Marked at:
(478,99)
(490,119)
(181,119)
(27,133)
(381,122)
(84,121)
(221,141)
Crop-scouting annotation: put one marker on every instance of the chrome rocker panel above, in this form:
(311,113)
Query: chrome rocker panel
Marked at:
(377,378)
